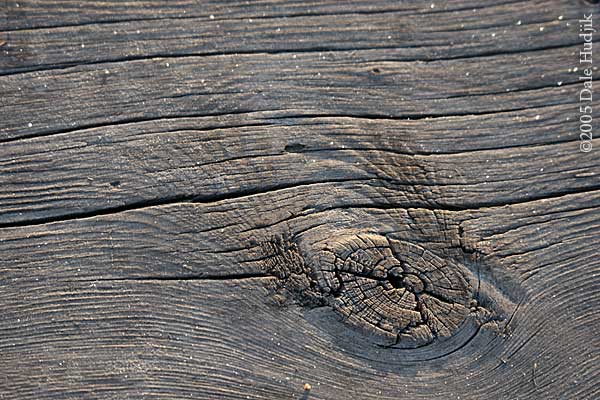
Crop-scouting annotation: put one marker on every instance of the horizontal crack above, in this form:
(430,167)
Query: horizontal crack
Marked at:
(298,115)
(206,18)
(126,121)
(554,195)
(189,277)
(403,11)
(167,201)
(405,117)
(316,49)
(246,193)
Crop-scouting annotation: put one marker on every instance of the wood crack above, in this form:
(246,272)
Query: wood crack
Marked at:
(183,277)
(265,52)
(242,194)
(127,121)
(373,117)
(383,11)
(234,195)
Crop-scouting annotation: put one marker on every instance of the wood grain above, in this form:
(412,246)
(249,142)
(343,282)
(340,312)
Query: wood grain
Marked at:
(62,286)
(412,32)
(233,199)
(429,162)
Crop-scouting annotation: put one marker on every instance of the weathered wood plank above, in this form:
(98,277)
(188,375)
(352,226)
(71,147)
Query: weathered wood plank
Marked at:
(224,238)
(346,83)
(232,199)
(232,333)
(407,32)
(196,343)
(180,350)
(31,14)
(515,157)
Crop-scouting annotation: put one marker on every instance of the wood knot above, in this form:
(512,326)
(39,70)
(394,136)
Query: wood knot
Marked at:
(392,289)
(389,291)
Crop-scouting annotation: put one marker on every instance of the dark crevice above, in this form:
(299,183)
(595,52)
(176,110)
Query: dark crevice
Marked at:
(126,121)
(251,192)
(550,196)
(169,201)
(234,195)
(96,213)
(294,148)
(463,345)
(561,213)
(409,117)
(504,52)
(367,116)
(438,153)
(221,93)
(469,206)
(191,277)
(316,49)
(469,340)
(396,281)
(205,18)
(175,56)
(518,90)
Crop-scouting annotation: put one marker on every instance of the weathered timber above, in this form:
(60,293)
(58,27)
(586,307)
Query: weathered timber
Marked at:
(296,200)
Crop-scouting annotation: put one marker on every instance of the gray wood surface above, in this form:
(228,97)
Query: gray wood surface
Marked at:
(214,199)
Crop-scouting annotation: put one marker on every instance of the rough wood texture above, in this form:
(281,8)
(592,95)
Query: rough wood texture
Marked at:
(229,200)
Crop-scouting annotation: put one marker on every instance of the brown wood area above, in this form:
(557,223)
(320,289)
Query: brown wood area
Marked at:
(297,200)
